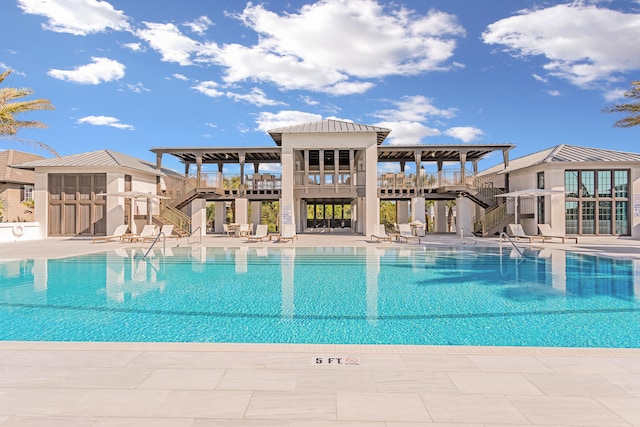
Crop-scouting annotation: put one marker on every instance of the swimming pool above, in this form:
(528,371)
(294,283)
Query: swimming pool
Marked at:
(366,295)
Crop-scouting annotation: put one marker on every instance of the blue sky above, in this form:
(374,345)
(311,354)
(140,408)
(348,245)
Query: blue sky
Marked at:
(132,75)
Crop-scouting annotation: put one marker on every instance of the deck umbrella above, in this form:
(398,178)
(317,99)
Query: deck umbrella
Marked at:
(531,192)
(136,195)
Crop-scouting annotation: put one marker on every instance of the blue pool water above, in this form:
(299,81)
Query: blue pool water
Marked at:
(444,296)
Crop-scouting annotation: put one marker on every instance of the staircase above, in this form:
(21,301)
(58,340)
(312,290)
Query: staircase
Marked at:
(492,221)
(170,215)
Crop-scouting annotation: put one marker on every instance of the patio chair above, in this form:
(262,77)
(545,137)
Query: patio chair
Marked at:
(227,231)
(244,230)
(406,234)
(380,234)
(548,234)
(149,230)
(261,233)
(167,229)
(288,234)
(120,231)
(518,233)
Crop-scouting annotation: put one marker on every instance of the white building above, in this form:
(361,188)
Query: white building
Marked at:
(596,192)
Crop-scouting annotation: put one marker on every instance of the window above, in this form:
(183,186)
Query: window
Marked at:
(27,193)
(571,183)
(540,179)
(541,208)
(596,202)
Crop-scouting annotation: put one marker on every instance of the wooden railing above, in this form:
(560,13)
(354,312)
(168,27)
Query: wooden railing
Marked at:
(180,220)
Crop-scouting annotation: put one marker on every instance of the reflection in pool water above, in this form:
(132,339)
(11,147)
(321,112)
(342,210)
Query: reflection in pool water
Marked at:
(443,296)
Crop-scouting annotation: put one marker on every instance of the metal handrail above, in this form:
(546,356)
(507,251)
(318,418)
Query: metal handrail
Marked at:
(161,233)
(502,235)
(462,230)
(194,232)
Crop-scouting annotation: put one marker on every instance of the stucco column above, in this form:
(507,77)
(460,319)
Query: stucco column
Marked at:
(41,205)
(198,209)
(287,208)
(418,209)
(242,214)
(220,216)
(256,213)
(372,202)
(464,216)
(441,216)
(402,211)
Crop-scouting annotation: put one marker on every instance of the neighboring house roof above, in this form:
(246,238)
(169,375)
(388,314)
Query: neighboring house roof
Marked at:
(329,126)
(564,153)
(13,175)
(100,158)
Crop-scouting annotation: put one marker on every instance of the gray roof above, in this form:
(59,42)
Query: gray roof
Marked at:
(100,158)
(564,153)
(329,126)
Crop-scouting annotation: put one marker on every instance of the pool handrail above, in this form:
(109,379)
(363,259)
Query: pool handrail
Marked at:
(164,240)
(503,235)
(194,232)
(462,230)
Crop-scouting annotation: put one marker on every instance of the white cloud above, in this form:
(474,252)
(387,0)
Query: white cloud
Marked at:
(209,88)
(105,121)
(200,25)
(137,88)
(267,121)
(381,42)
(169,41)
(78,17)
(181,77)
(414,108)
(540,78)
(307,50)
(136,47)
(256,97)
(584,44)
(554,92)
(100,70)
(308,100)
(614,94)
(407,133)
(464,133)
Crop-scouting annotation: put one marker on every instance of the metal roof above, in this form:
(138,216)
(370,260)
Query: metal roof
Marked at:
(101,158)
(438,152)
(329,126)
(223,154)
(566,153)
(390,153)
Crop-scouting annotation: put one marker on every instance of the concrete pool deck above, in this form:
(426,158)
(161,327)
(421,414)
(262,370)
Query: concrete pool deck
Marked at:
(190,384)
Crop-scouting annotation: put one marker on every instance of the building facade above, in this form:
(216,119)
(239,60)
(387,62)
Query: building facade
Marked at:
(593,192)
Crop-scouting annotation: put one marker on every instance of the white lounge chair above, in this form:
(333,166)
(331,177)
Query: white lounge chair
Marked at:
(167,229)
(548,234)
(518,233)
(406,234)
(149,230)
(380,234)
(120,231)
(288,234)
(262,231)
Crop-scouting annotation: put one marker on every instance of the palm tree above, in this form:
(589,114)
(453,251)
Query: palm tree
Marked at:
(632,108)
(11,105)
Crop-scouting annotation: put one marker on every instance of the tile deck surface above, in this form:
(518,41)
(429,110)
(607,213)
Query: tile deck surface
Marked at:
(191,384)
